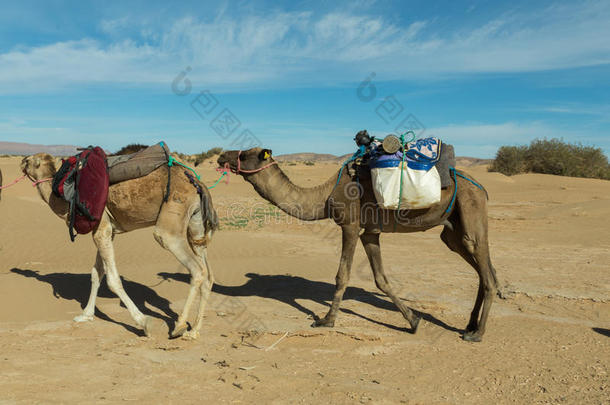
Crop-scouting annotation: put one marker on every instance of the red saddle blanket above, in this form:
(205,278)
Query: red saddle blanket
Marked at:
(82,181)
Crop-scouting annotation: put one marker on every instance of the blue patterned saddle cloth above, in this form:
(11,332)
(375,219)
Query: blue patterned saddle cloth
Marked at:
(421,154)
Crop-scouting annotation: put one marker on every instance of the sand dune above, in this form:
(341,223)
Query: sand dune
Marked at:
(548,341)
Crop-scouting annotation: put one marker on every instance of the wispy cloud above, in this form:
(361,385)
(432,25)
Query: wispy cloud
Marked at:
(483,139)
(601,111)
(283,49)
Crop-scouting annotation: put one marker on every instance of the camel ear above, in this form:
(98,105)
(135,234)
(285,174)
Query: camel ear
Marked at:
(265,154)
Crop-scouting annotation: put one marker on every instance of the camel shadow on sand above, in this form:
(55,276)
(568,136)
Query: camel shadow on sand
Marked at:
(71,286)
(289,289)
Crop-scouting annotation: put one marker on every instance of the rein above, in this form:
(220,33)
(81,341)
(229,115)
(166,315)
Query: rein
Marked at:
(13,183)
(17,180)
(37,182)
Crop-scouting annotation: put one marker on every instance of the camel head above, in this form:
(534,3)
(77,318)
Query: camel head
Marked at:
(38,166)
(251,159)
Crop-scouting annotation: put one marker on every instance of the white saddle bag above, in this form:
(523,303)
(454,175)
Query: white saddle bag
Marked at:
(420,188)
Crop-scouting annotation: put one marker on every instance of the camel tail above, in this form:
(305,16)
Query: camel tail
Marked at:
(208,213)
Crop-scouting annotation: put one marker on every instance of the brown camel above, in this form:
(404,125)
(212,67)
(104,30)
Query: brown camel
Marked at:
(353,207)
(183,225)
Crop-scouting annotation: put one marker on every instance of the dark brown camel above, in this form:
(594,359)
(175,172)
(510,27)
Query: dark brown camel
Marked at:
(353,207)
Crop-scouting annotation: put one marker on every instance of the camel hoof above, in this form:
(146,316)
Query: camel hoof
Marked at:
(147,326)
(324,323)
(415,324)
(179,330)
(472,337)
(190,335)
(83,318)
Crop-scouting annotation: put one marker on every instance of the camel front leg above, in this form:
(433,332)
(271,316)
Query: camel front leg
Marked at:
(370,241)
(103,241)
(97,274)
(349,241)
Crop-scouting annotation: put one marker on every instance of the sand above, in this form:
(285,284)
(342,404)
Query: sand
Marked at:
(548,341)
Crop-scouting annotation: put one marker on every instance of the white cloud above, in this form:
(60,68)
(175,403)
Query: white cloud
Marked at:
(483,139)
(282,49)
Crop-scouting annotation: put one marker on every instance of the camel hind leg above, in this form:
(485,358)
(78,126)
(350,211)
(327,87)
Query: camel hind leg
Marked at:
(171,233)
(199,238)
(469,239)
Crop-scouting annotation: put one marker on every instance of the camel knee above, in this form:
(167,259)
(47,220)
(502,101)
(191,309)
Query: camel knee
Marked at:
(114,284)
(341,282)
(489,287)
(197,279)
(382,283)
(470,244)
(205,286)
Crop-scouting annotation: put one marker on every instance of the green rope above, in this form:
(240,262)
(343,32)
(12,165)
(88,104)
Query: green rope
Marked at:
(172,160)
(217,181)
(359,153)
(402,165)
(412,136)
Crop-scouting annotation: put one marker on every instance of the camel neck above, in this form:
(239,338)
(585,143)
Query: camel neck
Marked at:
(59,206)
(306,203)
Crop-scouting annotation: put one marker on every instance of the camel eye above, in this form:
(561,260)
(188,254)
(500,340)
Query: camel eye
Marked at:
(264,154)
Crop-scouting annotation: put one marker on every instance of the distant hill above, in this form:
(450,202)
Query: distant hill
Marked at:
(307,157)
(17,148)
(466,161)
(463,161)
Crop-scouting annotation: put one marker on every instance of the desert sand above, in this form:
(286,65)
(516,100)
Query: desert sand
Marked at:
(547,340)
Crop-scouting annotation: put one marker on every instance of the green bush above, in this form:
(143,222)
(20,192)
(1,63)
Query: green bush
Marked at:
(131,148)
(199,158)
(552,157)
(509,160)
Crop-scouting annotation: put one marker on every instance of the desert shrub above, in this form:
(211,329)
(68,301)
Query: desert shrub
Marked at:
(200,157)
(183,156)
(552,156)
(509,160)
(309,163)
(131,148)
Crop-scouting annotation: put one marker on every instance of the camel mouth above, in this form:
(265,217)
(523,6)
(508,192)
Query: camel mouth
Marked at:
(222,161)
(23,165)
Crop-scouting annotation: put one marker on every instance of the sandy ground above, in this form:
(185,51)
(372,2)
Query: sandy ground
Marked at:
(548,342)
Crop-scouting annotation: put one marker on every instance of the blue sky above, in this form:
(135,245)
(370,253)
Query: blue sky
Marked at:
(478,74)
